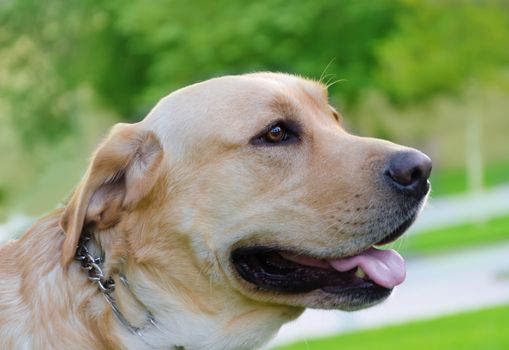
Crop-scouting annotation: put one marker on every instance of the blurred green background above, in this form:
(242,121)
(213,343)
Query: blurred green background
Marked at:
(429,74)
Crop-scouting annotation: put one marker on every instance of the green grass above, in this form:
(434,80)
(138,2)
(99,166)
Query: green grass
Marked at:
(453,181)
(455,237)
(480,330)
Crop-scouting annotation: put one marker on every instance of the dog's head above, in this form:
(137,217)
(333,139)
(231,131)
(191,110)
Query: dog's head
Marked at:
(256,182)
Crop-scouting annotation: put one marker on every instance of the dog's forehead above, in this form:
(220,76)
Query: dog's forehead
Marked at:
(237,93)
(228,106)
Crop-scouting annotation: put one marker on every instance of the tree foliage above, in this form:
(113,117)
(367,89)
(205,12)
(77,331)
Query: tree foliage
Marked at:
(439,47)
(129,54)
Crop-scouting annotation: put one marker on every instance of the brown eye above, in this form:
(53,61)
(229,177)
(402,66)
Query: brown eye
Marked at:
(278,134)
(275,134)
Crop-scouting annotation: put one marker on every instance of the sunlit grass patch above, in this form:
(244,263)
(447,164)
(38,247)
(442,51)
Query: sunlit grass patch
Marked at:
(478,330)
(455,237)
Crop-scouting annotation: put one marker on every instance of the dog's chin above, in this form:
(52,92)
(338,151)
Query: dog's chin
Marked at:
(352,300)
(283,275)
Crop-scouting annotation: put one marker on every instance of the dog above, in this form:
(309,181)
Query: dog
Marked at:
(234,205)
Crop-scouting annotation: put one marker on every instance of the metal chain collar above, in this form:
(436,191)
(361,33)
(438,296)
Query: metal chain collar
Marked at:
(93,265)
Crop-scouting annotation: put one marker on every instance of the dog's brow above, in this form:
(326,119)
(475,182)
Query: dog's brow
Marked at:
(283,106)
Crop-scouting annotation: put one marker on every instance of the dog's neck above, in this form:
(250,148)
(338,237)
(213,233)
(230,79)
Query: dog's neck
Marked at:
(192,308)
(187,320)
(59,307)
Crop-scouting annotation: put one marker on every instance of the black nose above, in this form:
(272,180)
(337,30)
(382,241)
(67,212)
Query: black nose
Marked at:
(409,171)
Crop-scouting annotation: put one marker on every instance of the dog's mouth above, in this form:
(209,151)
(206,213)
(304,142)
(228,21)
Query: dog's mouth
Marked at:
(287,272)
(372,270)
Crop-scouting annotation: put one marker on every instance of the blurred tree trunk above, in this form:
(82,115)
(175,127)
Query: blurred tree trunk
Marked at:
(474,159)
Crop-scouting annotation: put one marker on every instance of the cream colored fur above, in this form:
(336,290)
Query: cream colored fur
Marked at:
(168,199)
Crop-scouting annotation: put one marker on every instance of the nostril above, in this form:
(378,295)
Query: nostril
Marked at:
(416,175)
(401,177)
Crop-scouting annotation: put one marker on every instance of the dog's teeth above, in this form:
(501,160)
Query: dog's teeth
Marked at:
(360,273)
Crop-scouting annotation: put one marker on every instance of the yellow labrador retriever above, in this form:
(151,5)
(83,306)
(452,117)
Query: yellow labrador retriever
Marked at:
(235,204)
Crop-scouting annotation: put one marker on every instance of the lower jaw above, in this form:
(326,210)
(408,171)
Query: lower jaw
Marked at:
(356,299)
(351,300)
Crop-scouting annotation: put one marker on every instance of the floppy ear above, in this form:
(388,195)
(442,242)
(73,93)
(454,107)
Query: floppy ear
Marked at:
(123,171)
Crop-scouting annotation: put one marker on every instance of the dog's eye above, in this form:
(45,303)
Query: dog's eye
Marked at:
(276,134)
(279,133)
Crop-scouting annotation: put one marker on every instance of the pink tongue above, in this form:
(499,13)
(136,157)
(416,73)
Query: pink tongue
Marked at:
(384,267)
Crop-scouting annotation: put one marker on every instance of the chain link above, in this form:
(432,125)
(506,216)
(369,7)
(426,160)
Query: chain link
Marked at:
(93,265)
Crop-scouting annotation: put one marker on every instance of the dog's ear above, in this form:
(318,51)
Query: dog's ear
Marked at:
(123,171)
